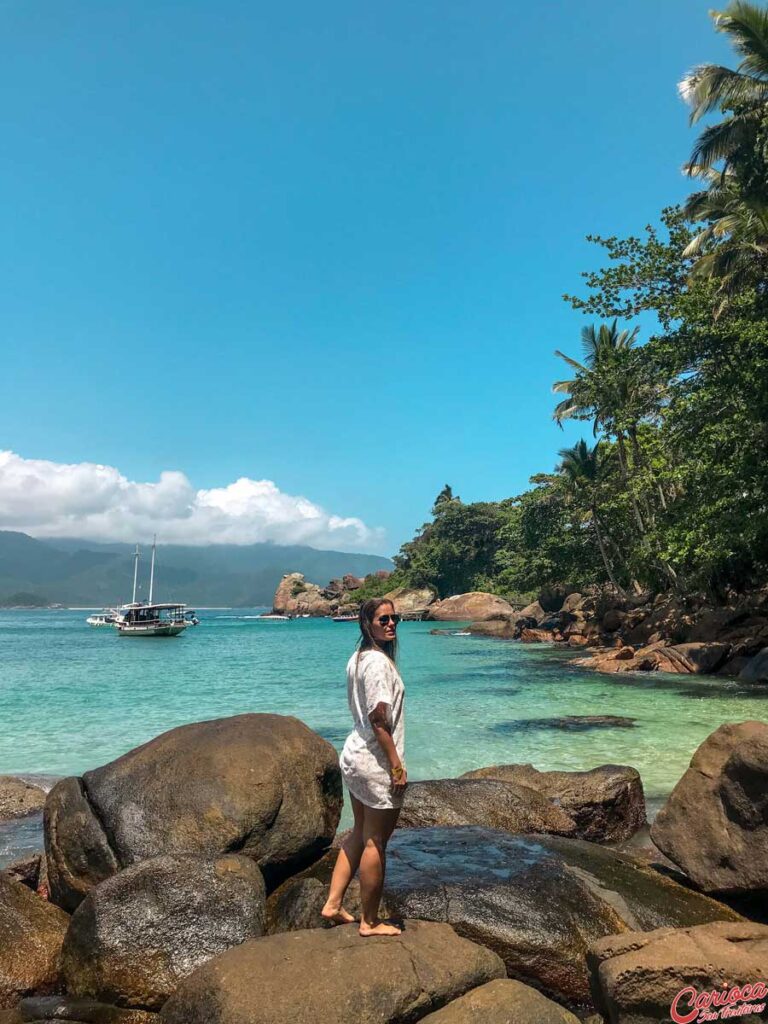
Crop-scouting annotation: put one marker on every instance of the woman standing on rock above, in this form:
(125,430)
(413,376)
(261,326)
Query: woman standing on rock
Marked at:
(371,766)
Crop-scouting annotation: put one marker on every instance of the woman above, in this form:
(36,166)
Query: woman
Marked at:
(371,766)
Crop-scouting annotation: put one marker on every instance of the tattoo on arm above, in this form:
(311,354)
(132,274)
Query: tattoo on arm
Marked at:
(378,717)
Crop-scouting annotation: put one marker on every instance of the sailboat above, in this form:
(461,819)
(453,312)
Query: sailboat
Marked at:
(144,618)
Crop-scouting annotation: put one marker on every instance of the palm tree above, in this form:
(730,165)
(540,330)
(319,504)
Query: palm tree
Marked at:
(584,469)
(733,247)
(607,390)
(742,94)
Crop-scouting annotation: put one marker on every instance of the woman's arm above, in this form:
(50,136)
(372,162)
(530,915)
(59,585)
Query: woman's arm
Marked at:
(380,724)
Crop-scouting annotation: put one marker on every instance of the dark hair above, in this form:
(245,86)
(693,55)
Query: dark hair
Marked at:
(367,642)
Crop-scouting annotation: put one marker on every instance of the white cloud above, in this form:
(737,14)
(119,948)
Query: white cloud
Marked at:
(52,499)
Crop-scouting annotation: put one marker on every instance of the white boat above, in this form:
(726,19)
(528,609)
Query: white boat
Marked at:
(105,618)
(145,618)
(345,618)
(274,618)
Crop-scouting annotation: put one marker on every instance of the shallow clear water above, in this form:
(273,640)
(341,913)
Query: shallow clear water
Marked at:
(73,697)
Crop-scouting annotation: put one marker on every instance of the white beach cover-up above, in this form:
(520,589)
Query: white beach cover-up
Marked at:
(364,765)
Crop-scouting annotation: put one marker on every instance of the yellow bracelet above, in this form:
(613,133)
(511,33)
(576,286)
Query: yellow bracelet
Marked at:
(396,772)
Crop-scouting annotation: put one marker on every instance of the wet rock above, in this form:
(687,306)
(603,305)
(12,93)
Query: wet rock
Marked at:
(297,902)
(262,785)
(704,658)
(606,803)
(715,824)
(502,1002)
(475,801)
(537,901)
(504,629)
(31,934)
(137,935)
(636,976)
(385,980)
(30,871)
(19,798)
(536,636)
(756,669)
(475,606)
(44,1009)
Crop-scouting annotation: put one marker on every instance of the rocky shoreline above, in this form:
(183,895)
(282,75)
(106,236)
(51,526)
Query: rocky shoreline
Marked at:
(182,883)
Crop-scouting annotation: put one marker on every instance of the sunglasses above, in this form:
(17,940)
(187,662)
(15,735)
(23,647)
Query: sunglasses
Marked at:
(384,620)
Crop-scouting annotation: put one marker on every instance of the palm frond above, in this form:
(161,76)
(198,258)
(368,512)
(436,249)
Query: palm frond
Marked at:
(571,362)
(711,86)
(747,25)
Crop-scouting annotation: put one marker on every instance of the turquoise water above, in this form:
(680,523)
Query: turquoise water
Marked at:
(73,697)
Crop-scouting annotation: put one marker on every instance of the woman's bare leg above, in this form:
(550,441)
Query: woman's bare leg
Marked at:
(378,826)
(347,863)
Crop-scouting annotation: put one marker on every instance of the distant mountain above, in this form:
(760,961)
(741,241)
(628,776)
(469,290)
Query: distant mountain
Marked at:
(80,572)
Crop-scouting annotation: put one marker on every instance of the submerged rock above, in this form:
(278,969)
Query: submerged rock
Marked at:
(488,802)
(31,934)
(607,803)
(382,980)
(265,786)
(715,824)
(756,669)
(537,901)
(636,976)
(502,1002)
(570,723)
(137,935)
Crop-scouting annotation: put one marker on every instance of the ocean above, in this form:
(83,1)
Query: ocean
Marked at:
(73,697)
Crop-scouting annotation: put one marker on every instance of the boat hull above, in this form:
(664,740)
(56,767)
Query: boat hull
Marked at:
(158,629)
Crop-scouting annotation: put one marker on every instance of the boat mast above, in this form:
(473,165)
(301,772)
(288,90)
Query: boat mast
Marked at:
(152,569)
(135,573)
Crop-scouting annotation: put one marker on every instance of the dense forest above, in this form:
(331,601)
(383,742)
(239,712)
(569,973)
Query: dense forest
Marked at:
(669,489)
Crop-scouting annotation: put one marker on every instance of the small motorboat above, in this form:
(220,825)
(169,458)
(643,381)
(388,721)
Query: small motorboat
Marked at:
(345,618)
(105,618)
(273,618)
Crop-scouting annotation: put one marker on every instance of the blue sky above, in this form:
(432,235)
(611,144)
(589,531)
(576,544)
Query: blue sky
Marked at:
(318,244)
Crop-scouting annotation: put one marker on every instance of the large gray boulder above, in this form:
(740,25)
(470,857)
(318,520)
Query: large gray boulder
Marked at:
(265,786)
(537,901)
(715,824)
(31,934)
(334,976)
(45,1009)
(637,976)
(506,805)
(606,803)
(138,934)
(502,1002)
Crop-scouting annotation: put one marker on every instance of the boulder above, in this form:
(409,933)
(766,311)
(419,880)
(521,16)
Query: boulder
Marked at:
(704,658)
(19,798)
(606,803)
(31,934)
(297,902)
(30,871)
(756,669)
(505,629)
(294,596)
(502,1002)
(475,606)
(537,901)
(715,824)
(351,582)
(536,636)
(692,658)
(373,980)
(412,602)
(481,801)
(137,935)
(613,620)
(263,785)
(534,611)
(44,1009)
(637,976)
(552,598)
(572,603)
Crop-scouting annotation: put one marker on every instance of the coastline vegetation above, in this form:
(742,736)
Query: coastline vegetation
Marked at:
(670,489)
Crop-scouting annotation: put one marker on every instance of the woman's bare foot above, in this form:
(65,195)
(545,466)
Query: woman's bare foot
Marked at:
(379,928)
(336,915)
